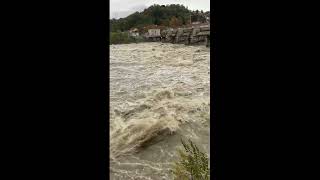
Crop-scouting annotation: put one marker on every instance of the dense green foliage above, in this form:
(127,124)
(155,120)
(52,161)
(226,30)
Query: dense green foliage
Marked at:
(193,164)
(122,38)
(169,15)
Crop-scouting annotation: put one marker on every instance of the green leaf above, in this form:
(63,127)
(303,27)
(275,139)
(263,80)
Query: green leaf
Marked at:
(193,163)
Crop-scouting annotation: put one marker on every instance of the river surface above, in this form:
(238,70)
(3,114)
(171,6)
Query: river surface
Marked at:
(159,93)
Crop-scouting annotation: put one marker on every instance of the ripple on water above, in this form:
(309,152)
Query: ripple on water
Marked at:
(156,97)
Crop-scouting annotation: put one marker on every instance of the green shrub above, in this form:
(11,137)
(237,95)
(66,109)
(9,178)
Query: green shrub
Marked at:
(193,163)
(120,38)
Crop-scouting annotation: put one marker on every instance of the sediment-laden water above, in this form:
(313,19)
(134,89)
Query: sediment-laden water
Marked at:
(159,93)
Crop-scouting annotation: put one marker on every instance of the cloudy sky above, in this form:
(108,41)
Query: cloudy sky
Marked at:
(123,8)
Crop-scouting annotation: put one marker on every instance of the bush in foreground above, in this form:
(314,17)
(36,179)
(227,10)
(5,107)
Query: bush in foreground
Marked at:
(193,163)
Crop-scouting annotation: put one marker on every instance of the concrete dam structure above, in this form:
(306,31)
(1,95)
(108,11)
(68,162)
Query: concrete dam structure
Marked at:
(187,36)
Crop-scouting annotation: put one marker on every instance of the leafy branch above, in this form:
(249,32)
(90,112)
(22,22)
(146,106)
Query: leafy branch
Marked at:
(193,163)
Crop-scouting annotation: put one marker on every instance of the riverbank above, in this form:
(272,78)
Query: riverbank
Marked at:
(123,38)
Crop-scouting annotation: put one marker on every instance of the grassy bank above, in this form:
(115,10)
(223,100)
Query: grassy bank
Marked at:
(123,38)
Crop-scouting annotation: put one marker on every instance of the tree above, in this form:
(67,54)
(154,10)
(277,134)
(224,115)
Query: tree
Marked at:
(170,15)
(175,22)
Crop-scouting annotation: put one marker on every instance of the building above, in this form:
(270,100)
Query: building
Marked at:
(154,33)
(134,32)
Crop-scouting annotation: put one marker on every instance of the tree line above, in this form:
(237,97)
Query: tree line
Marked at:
(173,15)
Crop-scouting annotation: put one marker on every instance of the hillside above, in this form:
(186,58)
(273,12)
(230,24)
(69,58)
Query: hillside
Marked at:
(170,16)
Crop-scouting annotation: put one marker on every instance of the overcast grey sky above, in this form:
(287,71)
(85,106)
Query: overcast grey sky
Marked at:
(123,8)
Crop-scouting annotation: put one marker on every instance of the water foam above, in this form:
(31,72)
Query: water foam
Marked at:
(157,97)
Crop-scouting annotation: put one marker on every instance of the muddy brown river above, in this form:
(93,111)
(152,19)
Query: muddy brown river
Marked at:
(159,93)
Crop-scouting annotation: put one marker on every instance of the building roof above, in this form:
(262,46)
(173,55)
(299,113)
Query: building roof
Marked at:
(134,30)
(152,26)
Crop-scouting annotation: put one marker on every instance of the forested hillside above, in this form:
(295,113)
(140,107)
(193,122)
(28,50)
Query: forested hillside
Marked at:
(170,15)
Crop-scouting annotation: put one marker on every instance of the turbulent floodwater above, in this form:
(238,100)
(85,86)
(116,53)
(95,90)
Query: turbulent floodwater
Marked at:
(159,93)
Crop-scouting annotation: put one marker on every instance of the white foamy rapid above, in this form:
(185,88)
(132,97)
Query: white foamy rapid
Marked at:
(159,93)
